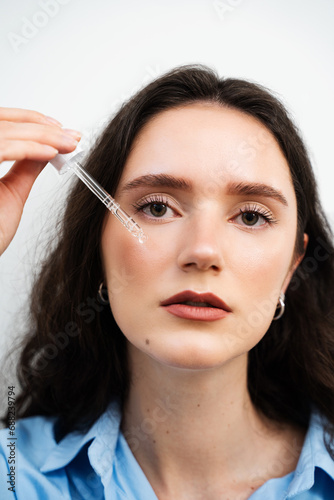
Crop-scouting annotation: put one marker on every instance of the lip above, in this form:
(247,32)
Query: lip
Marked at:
(218,309)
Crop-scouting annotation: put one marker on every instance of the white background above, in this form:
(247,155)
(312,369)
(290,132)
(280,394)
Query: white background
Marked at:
(78,60)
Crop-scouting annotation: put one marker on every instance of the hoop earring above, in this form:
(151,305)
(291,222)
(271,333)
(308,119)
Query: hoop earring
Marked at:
(102,298)
(280,306)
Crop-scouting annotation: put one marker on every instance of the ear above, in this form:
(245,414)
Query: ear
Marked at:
(295,265)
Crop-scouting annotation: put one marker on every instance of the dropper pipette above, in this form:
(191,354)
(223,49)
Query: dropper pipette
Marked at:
(71,161)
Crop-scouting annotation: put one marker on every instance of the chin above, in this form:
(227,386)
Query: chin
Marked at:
(190,356)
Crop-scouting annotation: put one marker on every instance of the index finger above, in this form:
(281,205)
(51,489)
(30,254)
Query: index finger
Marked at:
(26,116)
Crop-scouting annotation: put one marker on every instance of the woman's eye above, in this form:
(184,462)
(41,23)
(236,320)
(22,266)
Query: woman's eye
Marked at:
(253,219)
(250,218)
(155,209)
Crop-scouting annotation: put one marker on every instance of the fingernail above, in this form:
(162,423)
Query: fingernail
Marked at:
(50,150)
(69,140)
(72,133)
(52,121)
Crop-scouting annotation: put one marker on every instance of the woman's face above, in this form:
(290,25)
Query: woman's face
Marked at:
(212,191)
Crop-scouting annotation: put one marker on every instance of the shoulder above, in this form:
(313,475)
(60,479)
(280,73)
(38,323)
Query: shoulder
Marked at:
(315,468)
(34,465)
(25,446)
(33,436)
(321,436)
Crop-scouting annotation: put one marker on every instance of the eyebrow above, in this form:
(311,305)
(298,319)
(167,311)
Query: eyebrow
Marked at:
(158,180)
(233,188)
(256,189)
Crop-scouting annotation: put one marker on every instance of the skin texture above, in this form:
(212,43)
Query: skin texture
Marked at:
(201,243)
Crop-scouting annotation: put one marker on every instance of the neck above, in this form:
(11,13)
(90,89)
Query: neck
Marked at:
(193,423)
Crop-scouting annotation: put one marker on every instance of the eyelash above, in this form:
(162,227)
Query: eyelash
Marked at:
(253,209)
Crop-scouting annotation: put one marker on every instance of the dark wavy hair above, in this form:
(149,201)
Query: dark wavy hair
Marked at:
(74,358)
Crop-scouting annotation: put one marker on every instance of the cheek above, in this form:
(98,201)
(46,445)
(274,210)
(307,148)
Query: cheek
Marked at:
(132,268)
(255,274)
(259,266)
(133,274)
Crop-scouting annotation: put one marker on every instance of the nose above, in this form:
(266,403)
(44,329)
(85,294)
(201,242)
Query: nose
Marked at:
(201,246)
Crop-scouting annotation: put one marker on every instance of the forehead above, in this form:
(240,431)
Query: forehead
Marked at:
(204,140)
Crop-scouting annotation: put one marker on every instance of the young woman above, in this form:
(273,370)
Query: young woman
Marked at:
(199,364)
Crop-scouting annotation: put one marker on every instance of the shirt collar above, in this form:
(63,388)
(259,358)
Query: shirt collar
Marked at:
(314,454)
(104,433)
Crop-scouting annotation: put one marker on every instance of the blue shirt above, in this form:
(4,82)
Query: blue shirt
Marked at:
(100,465)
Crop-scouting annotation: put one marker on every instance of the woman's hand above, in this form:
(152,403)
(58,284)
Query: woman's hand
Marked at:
(31,140)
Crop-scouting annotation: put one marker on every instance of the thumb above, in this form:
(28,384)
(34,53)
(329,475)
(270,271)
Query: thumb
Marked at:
(21,177)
